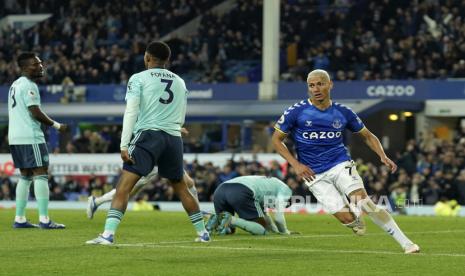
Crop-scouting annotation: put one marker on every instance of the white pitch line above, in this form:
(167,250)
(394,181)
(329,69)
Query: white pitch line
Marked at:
(281,237)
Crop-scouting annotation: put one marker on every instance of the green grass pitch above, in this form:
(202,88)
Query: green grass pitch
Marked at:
(161,243)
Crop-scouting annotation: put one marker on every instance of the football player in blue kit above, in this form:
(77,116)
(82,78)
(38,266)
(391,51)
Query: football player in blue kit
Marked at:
(316,126)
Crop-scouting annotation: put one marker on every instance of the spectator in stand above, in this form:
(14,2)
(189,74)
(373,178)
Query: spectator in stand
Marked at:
(6,187)
(378,40)
(460,185)
(82,143)
(88,34)
(57,193)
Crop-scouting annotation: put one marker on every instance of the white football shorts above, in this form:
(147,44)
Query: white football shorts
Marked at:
(331,187)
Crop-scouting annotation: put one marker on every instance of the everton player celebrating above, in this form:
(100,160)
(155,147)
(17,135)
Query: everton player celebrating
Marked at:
(316,125)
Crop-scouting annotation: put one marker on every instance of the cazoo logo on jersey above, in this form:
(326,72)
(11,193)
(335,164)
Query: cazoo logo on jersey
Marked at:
(321,134)
(390,90)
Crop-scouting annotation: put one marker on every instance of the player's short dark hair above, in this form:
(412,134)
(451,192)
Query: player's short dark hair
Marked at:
(159,49)
(24,57)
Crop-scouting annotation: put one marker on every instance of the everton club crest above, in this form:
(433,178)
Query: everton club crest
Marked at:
(337,124)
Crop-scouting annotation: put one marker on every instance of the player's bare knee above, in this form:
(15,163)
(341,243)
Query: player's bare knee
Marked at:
(26,172)
(358,195)
(40,171)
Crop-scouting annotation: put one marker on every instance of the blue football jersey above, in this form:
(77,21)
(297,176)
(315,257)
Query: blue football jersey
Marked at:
(318,134)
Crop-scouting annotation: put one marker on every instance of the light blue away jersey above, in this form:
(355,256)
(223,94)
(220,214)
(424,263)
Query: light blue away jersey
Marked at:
(263,187)
(23,129)
(318,134)
(163,100)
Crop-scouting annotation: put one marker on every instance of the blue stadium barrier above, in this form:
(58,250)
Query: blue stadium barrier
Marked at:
(419,90)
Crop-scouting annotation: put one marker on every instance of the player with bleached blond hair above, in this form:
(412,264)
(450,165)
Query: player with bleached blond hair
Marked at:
(316,126)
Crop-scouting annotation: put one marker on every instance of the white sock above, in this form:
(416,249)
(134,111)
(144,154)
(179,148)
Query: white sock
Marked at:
(194,193)
(105,197)
(20,219)
(145,179)
(385,221)
(44,219)
(393,229)
(139,186)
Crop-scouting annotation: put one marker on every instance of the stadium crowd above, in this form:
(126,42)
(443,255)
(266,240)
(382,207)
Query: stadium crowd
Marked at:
(91,41)
(430,170)
(386,39)
(367,40)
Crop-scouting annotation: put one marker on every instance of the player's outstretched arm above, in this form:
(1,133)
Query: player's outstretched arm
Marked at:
(280,221)
(373,142)
(43,118)
(278,143)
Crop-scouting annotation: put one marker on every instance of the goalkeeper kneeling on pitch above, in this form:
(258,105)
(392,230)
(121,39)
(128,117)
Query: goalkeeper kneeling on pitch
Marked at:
(248,196)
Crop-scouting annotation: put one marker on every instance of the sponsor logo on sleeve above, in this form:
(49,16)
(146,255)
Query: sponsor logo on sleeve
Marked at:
(32,94)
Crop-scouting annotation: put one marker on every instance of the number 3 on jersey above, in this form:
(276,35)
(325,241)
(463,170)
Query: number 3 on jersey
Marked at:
(167,90)
(12,94)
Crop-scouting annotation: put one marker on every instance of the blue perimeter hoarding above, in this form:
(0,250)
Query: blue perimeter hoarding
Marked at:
(393,90)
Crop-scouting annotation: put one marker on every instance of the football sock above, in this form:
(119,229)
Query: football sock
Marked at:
(114,218)
(249,226)
(139,186)
(141,183)
(105,197)
(197,220)
(22,194)
(41,192)
(385,221)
